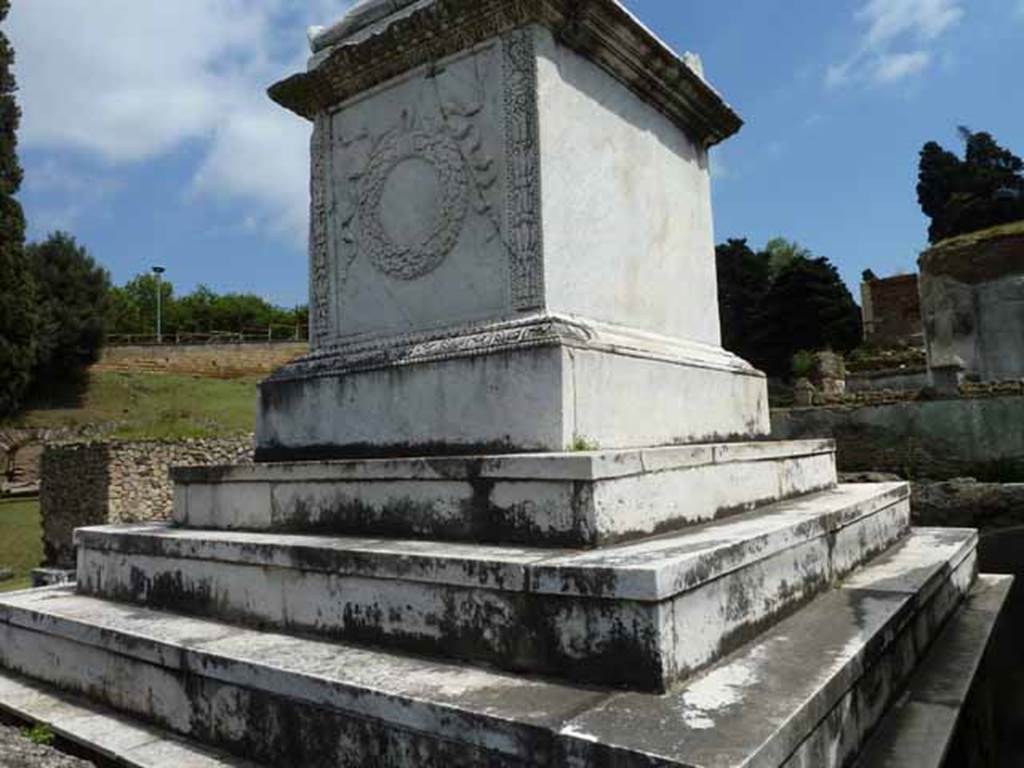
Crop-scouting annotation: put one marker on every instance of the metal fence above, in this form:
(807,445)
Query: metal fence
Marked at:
(282,334)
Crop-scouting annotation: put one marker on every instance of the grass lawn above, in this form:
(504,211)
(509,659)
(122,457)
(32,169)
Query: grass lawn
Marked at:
(154,406)
(21,540)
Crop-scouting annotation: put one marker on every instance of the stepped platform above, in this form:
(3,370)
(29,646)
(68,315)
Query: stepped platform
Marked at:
(103,732)
(806,691)
(642,615)
(584,499)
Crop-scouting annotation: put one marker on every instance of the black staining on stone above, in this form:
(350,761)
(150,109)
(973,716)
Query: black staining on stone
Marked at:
(271,451)
(586,582)
(275,730)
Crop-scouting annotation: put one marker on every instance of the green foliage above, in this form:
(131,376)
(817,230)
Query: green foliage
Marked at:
(744,278)
(807,307)
(581,444)
(21,541)
(71,294)
(803,364)
(18,319)
(983,190)
(144,406)
(40,733)
(132,311)
(782,252)
(780,301)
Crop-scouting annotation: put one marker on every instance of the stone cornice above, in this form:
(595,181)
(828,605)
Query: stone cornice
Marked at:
(601,30)
(537,330)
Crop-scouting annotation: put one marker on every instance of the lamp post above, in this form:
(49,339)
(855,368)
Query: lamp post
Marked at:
(158,271)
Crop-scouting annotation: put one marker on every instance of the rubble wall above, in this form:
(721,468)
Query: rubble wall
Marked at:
(93,483)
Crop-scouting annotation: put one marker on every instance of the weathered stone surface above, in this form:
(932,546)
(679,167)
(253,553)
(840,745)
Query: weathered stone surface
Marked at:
(116,481)
(511,244)
(972,301)
(580,499)
(277,698)
(927,726)
(640,615)
(805,692)
(524,388)
(970,504)
(101,731)
(934,440)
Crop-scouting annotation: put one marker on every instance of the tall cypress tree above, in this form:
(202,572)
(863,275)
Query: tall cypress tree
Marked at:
(17,306)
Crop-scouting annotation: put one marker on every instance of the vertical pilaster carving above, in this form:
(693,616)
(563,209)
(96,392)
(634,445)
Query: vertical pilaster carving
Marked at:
(523,199)
(319,241)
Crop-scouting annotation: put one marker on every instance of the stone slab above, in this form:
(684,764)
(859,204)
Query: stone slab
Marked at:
(919,730)
(536,395)
(579,499)
(806,691)
(757,708)
(103,732)
(667,606)
(652,570)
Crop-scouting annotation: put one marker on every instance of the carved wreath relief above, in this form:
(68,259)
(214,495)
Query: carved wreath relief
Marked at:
(398,178)
(412,202)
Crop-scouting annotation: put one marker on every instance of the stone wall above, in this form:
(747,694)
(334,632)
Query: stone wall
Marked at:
(93,483)
(213,360)
(972,300)
(940,439)
(891,309)
(902,379)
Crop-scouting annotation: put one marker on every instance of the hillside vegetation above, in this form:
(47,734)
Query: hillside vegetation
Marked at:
(21,541)
(150,406)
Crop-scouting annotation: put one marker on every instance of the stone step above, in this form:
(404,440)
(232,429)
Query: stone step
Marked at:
(811,686)
(103,732)
(638,615)
(940,719)
(584,499)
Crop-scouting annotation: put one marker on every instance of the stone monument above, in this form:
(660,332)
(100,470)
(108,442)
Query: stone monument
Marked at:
(972,298)
(515,508)
(510,243)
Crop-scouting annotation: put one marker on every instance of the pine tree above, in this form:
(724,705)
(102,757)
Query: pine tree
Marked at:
(72,296)
(743,279)
(984,189)
(808,307)
(18,320)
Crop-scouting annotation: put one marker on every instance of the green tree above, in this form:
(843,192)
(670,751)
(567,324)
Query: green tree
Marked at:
(984,189)
(782,252)
(132,307)
(18,319)
(744,278)
(808,307)
(71,293)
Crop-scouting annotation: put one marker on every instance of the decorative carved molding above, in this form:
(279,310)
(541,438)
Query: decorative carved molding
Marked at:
(424,348)
(319,233)
(602,30)
(535,330)
(522,157)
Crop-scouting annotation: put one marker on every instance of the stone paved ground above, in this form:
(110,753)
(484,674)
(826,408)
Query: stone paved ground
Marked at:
(18,752)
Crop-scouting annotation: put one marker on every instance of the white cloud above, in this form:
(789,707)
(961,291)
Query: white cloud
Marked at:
(1020,9)
(889,20)
(891,26)
(897,66)
(128,81)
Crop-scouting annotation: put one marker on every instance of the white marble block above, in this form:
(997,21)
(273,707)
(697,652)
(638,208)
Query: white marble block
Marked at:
(511,240)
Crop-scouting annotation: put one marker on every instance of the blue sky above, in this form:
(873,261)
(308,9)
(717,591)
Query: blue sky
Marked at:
(147,134)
